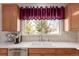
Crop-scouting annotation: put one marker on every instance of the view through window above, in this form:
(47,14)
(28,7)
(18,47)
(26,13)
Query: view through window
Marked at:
(37,27)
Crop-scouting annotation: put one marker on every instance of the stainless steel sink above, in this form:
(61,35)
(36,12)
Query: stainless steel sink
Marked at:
(42,44)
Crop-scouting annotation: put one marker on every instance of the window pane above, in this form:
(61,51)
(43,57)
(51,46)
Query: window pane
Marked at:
(36,27)
(53,26)
(30,27)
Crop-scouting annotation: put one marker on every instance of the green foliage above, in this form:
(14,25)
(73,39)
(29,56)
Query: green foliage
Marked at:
(42,26)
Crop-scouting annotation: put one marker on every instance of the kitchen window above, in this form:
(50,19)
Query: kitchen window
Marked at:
(38,27)
(41,20)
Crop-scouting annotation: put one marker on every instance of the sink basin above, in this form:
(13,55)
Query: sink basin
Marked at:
(42,44)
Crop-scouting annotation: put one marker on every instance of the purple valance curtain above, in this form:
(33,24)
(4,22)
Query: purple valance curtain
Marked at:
(29,13)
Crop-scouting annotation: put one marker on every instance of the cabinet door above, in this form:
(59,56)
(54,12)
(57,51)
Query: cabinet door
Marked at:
(10,14)
(52,52)
(72,17)
(75,16)
(3,52)
(5,18)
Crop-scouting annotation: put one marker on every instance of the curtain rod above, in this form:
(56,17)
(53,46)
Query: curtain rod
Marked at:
(40,6)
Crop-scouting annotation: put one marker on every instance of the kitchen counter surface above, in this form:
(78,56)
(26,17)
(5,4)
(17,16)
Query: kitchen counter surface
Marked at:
(40,45)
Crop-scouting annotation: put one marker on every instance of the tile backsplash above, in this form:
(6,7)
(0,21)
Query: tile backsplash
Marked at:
(64,37)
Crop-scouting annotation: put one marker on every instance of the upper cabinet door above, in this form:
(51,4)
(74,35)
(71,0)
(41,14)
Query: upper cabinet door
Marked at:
(75,16)
(72,17)
(10,17)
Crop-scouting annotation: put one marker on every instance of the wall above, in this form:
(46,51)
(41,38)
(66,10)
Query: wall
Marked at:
(78,37)
(65,36)
(41,4)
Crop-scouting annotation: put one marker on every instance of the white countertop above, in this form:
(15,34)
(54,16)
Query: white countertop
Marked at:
(40,45)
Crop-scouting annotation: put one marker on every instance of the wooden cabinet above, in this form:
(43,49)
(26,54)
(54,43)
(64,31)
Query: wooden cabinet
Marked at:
(3,52)
(10,18)
(52,52)
(72,17)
